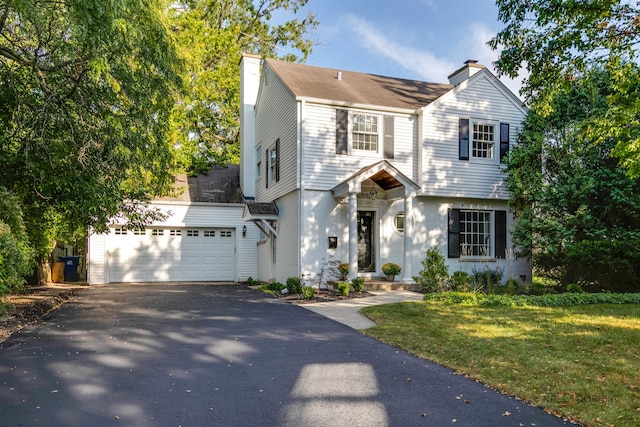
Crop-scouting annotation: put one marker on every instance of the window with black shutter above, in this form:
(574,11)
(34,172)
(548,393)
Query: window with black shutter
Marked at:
(342,131)
(454,233)
(388,137)
(463,139)
(504,140)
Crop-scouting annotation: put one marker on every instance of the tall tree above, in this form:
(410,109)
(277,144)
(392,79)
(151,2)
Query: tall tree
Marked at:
(578,211)
(213,34)
(86,90)
(559,41)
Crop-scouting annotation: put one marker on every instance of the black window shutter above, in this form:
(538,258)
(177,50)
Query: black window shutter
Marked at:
(278,159)
(501,234)
(454,233)
(342,132)
(504,140)
(267,168)
(388,137)
(463,139)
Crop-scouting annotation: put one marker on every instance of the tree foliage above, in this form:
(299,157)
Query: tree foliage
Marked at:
(86,89)
(213,35)
(560,41)
(578,211)
(16,254)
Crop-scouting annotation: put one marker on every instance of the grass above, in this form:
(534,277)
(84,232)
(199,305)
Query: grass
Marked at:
(582,362)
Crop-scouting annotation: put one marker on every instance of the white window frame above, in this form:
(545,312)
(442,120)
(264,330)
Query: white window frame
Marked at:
(487,230)
(494,143)
(395,221)
(379,134)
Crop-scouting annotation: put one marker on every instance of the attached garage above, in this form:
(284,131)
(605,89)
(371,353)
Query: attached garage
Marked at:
(203,239)
(171,254)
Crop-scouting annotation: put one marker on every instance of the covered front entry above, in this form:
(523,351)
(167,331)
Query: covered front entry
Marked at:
(171,254)
(362,223)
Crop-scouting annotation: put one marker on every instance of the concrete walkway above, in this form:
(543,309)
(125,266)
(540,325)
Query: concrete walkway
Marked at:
(347,312)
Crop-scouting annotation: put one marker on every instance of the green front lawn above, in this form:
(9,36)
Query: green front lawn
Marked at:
(581,361)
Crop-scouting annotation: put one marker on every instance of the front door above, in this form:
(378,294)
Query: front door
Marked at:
(366,255)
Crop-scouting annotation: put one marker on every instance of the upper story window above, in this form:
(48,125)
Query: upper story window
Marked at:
(273,163)
(483,139)
(259,161)
(365,132)
(483,142)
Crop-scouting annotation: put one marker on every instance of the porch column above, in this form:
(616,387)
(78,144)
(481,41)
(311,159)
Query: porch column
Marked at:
(353,235)
(408,242)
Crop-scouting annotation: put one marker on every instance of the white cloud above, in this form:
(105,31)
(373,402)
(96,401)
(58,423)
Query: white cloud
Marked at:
(423,63)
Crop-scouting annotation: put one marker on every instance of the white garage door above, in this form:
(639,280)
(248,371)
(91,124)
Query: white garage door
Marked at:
(171,254)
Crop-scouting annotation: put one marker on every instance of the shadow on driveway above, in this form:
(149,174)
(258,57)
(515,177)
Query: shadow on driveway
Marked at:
(193,355)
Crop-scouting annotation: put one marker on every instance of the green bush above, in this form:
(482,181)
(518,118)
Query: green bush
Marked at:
(487,279)
(461,281)
(294,285)
(252,282)
(512,287)
(434,276)
(574,288)
(16,252)
(548,300)
(542,285)
(275,286)
(391,269)
(343,289)
(308,292)
(358,284)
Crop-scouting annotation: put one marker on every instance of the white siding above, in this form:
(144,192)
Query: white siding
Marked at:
(96,256)
(287,244)
(324,169)
(445,175)
(276,117)
(190,215)
(431,230)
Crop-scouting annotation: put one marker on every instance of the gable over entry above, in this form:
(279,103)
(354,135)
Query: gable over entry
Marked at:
(396,185)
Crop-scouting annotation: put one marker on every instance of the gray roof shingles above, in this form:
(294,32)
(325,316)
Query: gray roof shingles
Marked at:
(307,81)
(220,185)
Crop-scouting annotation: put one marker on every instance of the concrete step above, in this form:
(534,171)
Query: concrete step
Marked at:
(381,285)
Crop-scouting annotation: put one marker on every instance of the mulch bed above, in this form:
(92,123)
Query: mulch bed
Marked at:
(28,307)
(320,295)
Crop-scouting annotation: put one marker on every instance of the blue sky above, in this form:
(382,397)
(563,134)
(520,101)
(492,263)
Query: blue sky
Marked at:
(415,39)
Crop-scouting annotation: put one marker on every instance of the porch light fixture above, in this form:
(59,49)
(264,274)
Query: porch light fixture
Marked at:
(373,194)
(244,231)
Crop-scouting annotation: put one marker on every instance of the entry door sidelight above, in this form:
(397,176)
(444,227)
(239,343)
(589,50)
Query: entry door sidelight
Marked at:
(366,255)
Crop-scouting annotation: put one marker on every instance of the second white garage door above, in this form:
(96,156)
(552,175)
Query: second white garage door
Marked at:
(171,254)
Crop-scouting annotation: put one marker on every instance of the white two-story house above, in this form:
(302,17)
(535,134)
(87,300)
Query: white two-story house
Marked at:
(367,169)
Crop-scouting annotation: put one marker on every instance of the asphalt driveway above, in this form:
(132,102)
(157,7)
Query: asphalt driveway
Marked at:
(196,355)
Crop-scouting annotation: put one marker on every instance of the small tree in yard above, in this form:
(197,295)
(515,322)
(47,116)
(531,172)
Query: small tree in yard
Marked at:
(434,275)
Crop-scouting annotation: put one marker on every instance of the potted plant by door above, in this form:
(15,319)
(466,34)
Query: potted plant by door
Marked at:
(391,269)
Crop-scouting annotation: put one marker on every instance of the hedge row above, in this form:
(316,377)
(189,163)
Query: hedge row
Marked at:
(551,300)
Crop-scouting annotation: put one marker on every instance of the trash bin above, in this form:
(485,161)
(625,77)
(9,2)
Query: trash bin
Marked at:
(70,267)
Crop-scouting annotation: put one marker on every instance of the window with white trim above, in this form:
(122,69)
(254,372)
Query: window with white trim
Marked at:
(365,132)
(483,141)
(192,233)
(259,161)
(209,233)
(175,232)
(475,233)
(139,232)
(120,231)
(398,222)
(157,232)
